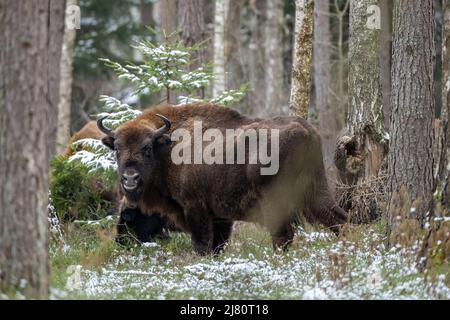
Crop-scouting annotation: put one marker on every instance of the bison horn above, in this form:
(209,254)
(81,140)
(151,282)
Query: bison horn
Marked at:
(103,129)
(163,129)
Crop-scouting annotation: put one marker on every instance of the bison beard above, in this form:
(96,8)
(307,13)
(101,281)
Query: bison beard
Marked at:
(204,200)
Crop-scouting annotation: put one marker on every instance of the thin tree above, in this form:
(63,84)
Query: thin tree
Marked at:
(65,90)
(191,19)
(256,61)
(220,18)
(412,119)
(273,57)
(301,69)
(322,79)
(31,34)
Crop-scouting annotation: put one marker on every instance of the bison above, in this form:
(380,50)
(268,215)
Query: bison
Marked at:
(132,223)
(205,199)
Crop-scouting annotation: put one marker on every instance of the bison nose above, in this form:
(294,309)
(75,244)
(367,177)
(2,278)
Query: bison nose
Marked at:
(130,180)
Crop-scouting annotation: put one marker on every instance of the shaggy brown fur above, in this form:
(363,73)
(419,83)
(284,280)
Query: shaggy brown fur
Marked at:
(204,200)
(132,223)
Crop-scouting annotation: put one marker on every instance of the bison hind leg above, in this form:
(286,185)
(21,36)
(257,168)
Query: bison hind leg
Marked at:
(282,236)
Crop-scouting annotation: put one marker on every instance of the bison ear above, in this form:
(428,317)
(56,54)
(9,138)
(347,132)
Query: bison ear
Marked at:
(161,143)
(108,141)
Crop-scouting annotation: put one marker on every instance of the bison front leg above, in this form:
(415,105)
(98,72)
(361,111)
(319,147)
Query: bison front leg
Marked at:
(221,234)
(201,227)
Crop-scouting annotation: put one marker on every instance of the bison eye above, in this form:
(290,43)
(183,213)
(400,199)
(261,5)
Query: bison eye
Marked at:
(147,150)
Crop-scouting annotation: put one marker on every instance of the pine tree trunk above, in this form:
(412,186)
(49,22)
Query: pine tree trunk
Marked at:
(412,120)
(322,79)
(273,58)
(65,90)
(31,33)
(191,18)
(301,69)
(444,172)
(220,18)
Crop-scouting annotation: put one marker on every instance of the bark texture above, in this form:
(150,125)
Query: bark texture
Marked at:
(301,69)
(412,120)
(385,57)
(362,150)
(444,168)
(191,19)
(31,35)
(65,90)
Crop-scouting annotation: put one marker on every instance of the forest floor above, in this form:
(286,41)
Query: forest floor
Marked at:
(87,264)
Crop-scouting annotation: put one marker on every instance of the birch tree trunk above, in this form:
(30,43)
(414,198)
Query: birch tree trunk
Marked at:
(322,79)
(444,172)
(412,120)
(273,58)
(65,89)
(301,69)
(31,33)
(220,18)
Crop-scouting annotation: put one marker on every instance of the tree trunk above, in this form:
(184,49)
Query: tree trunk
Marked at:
(362,150)
(385,57)
(233,54)
(322,79)
(191,19)
(220,18)
(444,172)
(301,69)
(412,120)
(65,89)
(168,16)
(273,58)
(167,21)
(147,13)
(256,57)
(31,33)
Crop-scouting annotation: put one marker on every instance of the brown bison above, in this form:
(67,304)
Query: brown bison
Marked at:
(132,223)
(204,199)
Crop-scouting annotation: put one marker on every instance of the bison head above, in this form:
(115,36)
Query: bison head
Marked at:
(138,149)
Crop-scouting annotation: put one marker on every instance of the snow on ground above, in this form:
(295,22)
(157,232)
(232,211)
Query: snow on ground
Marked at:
(320,268)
